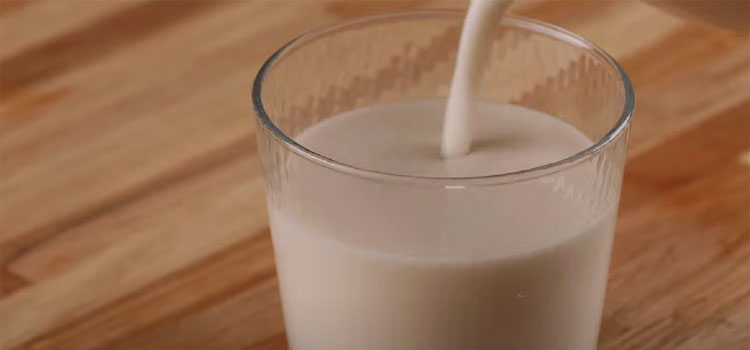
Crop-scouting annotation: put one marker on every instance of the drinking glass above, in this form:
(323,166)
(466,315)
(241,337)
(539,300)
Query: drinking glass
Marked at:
(354,267)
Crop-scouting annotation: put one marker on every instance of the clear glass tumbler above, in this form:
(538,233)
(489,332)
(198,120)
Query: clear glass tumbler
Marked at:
(362,265)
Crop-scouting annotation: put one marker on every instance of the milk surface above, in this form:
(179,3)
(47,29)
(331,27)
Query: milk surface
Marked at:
(365,265)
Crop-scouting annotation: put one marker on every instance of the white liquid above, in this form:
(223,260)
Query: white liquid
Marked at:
(365,265)
(474,49)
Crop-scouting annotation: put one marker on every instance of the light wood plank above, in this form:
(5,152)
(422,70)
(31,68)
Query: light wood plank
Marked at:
(93,168)
(242,273)
(20,27)
(190,221)
(681,251)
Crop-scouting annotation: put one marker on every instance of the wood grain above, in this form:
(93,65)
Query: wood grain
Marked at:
(697,245)
(10,282)
(132,212)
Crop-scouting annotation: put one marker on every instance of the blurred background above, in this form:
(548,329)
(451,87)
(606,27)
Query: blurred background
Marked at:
(132,211)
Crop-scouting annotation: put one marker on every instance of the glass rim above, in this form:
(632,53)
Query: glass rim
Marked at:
(616,131)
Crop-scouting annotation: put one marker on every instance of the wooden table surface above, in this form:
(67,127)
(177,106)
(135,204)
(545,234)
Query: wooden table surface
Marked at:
(132,211)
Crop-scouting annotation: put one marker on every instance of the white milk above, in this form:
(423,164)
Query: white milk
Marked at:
(474,49)
(365,265)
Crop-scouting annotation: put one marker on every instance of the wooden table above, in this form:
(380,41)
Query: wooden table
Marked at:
(132,205)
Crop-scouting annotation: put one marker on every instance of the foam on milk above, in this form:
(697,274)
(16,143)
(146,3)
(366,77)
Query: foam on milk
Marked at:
(476,40)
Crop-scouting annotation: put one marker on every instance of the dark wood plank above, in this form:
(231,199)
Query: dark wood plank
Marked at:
(10,282)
